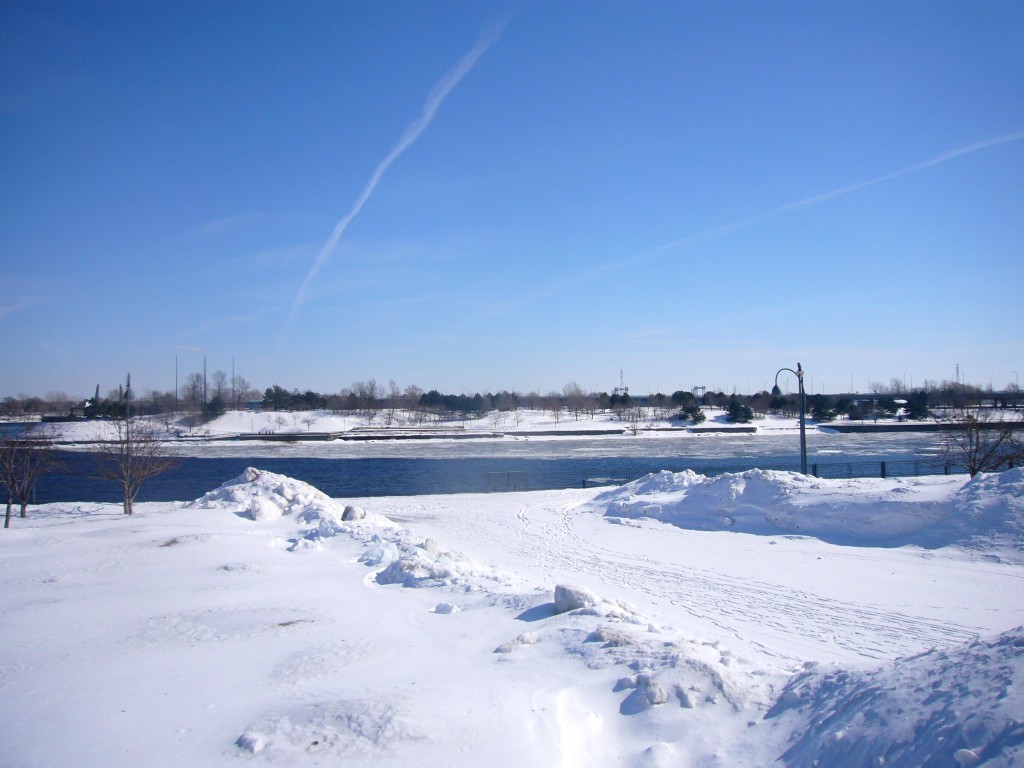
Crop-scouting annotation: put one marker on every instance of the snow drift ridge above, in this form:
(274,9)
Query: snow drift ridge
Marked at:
(986,512)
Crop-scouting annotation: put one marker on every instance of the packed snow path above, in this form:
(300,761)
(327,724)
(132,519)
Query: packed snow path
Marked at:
(793,598)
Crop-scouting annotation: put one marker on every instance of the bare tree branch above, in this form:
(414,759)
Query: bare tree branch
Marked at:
(132,454)
(22,460)
(979,442)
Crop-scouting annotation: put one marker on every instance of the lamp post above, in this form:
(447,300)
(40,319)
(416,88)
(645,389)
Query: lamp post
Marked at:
(799,373)
(127,420)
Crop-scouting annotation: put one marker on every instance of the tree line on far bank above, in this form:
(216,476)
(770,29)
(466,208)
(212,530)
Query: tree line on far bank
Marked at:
(206,399)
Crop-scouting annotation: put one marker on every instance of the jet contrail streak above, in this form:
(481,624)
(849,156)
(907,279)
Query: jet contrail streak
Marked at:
(434,100)
(825,197)
(819,199)
(595,272)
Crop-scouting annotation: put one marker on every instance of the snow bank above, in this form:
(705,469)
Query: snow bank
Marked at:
(403,559)
(962,706)
(260,495)
(987,512)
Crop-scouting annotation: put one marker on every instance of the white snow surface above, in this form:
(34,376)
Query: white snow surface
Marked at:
(181,430)
(985,513)
(745,620)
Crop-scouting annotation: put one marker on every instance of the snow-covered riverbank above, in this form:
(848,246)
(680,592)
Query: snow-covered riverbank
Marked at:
(678,620)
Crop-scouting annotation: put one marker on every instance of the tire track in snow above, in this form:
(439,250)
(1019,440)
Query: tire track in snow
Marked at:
(729,602)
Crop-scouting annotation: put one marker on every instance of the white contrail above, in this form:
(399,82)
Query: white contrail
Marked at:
(822,198)
(593,273)
(437,95)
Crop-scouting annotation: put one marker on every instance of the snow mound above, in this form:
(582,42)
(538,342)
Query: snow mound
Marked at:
(961,706)
(260,495)
(986,512)
(576,599)
(426,564)
(573,599)
(251,742)
(990,511)
(527,638)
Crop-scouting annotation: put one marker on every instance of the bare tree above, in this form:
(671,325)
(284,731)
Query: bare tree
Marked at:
(220,385)
(498,417)
(978,441)
(366,393)
(633,415)
(192,391)
(59,402)
(22,461)
(133,453)
(412,395)
(553,403)
(575,398)
(394,396)
(240,387)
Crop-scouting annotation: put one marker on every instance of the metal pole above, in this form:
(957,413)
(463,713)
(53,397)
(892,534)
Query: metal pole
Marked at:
(127,419)
(803,415)
(799,373)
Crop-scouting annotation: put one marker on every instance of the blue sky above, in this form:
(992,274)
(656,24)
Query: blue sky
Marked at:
(527,194)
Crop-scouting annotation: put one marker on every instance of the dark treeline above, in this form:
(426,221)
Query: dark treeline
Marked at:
(365,397)
(368,397)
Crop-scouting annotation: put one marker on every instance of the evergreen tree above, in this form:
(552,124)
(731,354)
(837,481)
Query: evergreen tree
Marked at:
(821,408)
(214,408)
(917,406)
(738,412)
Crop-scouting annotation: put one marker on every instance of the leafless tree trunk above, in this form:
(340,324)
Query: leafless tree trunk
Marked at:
(634,415)
(132,454)
(575,398)
(978,441)
(22,461)
(219,384)
(394,400)
(192,391)
(366,393)
(241,389)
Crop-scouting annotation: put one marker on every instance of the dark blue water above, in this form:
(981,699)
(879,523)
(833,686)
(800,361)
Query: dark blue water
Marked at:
(376,476)
(13,427)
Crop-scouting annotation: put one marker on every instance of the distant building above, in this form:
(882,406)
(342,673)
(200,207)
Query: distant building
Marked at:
(78,410)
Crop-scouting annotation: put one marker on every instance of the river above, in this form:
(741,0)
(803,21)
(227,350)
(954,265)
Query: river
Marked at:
(395,468)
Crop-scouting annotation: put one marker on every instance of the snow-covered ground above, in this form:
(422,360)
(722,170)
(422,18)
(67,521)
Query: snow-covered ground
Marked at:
(675,621)
(297,422)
